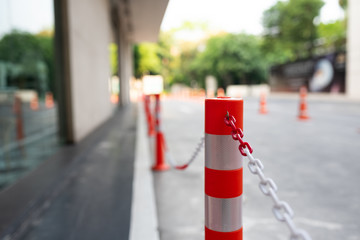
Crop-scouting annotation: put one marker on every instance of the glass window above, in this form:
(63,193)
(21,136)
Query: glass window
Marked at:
(28,107)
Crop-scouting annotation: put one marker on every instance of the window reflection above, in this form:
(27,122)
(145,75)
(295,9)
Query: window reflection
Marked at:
(28,107)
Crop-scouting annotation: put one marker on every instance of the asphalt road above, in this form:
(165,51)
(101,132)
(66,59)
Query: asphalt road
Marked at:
(315,165)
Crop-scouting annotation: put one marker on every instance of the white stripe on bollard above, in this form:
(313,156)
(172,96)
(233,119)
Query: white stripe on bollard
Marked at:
(223,215)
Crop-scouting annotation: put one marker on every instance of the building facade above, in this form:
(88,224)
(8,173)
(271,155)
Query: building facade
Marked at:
(84,31)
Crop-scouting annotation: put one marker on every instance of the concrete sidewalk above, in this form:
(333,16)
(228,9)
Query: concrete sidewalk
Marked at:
(84,191)
(315,165)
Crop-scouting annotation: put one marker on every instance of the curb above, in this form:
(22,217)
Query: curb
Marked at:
(144,221)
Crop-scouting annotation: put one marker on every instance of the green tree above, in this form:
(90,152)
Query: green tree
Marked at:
(290,25)
(46,43)
(113,49)
(333,35)
(343,4)
(146,59)
(29,59)
(177,51)
(232,59)
(165,43)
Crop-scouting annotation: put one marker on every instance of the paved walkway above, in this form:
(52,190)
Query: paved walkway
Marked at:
(82,192)
(315,165)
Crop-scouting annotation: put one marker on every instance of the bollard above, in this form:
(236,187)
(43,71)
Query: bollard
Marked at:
(303,114)
(223,171)
(263,108)
(149,118)
(160,164)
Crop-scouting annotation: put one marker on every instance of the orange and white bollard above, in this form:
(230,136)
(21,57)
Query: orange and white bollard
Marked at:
(303,114)
(160,164)
(223,171)
(49,100)
(263,108)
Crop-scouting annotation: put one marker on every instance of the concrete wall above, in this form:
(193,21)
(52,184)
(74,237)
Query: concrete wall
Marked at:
(89,31)
(353,50)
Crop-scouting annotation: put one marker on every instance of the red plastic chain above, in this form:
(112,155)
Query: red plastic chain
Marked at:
(237,134)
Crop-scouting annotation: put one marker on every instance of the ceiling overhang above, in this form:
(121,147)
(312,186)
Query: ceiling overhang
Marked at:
(142,18)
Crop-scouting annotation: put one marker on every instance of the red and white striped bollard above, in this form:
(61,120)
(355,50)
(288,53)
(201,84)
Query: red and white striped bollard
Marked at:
(160,164)
(223,171)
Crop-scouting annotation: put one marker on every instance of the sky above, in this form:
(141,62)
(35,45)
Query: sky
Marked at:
(30,15)
(227,15)
(232,15)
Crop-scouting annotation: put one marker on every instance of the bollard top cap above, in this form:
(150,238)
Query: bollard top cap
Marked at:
(216,110)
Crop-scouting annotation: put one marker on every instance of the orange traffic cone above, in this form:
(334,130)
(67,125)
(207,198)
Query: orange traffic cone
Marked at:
(49,100)
(220,92)
(34,103)
(263,108)
(303,115)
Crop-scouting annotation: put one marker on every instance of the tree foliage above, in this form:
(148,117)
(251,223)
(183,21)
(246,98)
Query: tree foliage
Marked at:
(290,25)
(29,59)
(333,35)
(146,60)
(291,32)
(232,59)
(113,49)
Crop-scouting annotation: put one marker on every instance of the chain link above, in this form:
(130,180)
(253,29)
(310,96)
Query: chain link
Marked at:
(192,158)
(281,209)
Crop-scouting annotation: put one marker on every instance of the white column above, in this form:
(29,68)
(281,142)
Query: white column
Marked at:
(353,50)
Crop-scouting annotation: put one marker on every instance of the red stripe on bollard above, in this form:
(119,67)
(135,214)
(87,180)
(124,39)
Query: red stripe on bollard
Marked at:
(214,235)
(223,171)
(223,183)
(149,119)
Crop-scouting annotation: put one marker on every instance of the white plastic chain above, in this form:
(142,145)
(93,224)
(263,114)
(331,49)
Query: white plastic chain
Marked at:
(192,158)
(281,209)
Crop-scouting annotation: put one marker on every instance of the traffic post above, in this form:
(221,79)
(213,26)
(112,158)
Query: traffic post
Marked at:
(149,118)
(160,164)
(223,170)
(303,113)
(263,108)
